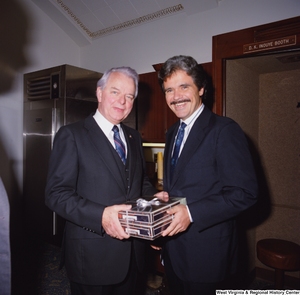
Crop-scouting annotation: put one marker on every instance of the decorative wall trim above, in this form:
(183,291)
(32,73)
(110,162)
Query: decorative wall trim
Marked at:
(74,17)
(122,26)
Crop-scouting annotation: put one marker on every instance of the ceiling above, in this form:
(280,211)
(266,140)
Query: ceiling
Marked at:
(87,20)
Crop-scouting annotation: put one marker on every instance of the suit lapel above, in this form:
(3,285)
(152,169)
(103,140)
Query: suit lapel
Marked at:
(170,138)
(105,151)
(132,153)
(194,139)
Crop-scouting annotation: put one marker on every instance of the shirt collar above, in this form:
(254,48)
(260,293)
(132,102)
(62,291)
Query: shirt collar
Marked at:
(191,119)
(104,124)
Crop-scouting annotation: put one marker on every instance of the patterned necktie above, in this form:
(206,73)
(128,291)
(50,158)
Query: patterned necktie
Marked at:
(178,142)
(120,147)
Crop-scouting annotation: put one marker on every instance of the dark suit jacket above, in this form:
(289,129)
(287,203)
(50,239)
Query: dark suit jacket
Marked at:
(215,174)
(86,175)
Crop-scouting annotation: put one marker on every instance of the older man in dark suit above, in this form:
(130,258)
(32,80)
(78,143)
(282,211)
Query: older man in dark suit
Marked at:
(208,162)
(95,167)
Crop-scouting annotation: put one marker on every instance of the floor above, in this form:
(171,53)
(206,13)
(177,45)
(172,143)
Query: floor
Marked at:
(37,272)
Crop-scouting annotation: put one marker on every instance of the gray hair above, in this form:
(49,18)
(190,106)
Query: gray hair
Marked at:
(129,72)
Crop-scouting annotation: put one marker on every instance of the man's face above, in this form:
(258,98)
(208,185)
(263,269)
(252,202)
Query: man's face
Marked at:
(182,94)
(116,100)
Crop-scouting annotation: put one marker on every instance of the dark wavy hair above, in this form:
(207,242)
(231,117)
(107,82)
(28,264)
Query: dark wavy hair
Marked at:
(184,63)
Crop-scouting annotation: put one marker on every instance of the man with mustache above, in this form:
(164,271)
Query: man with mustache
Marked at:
(207,161)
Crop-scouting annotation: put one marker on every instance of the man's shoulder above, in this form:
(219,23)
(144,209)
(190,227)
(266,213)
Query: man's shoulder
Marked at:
(78,126)
(221,120)
(83,122)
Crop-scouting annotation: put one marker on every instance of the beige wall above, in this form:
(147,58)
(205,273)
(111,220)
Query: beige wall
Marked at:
(265,105)
(242,105)
(279,145)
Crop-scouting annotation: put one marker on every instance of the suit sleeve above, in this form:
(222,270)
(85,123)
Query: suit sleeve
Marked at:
(61,190)
(234,172)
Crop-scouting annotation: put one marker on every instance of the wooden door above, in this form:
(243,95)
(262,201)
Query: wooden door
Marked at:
(279,36)
(154,116)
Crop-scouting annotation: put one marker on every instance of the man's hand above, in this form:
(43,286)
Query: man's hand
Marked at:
(180,222)
(111,223)
(163,196)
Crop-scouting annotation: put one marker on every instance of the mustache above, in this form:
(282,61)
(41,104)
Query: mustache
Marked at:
(180,101)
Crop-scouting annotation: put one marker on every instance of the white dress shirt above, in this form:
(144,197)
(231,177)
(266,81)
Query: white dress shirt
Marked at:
(107,126)
(189,124)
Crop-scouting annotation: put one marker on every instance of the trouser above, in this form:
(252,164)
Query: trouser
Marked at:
(179,287)
(133,284)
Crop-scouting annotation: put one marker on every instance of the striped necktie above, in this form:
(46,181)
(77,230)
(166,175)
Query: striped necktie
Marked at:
(120,147)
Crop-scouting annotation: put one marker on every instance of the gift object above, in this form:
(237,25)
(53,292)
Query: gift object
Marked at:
(147,217)
(148,232)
